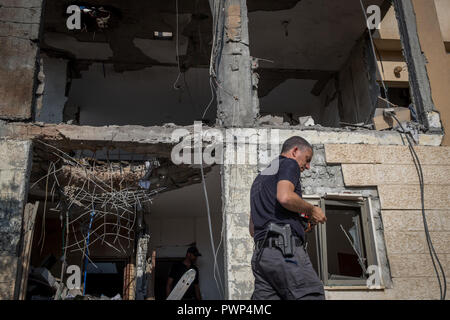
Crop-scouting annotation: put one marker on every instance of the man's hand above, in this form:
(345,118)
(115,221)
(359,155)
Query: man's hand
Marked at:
(318,216)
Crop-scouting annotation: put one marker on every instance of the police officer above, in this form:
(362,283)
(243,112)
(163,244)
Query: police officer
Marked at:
(276,201)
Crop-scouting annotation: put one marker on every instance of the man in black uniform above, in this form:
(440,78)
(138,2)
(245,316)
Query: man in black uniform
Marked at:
(276,204)
(180,268)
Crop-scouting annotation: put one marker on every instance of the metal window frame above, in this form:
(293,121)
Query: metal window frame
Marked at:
(367,241)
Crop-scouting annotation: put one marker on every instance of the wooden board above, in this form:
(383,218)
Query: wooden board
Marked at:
(381,122)
(28,233)
(151,277)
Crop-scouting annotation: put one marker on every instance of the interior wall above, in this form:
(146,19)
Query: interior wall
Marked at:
(55,71)
(357,85)
(313,35)
(144,97)
(179,218)
(329,111)
(292,96)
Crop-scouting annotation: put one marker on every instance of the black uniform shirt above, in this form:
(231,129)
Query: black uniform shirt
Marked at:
(265,207)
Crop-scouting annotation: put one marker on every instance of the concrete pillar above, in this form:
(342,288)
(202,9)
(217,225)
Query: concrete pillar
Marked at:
(416,60)
(236,106)
(141,261)
(438,60)
(20,22)
(237,180)
(15,167)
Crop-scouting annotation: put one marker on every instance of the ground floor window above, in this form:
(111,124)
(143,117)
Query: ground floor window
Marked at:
(342,249)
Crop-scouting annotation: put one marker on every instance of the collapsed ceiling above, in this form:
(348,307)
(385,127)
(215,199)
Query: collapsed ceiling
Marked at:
(101,172)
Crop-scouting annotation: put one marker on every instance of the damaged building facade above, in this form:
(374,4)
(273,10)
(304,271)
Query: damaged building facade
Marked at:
(103,123)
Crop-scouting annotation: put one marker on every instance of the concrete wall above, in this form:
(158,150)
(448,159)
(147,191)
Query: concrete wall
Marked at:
(19,30)
(143,97)
(54,97)
(294,96)
(15,166)
(331,173)
(391,169)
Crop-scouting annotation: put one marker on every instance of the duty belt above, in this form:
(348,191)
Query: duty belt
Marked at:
(275,242)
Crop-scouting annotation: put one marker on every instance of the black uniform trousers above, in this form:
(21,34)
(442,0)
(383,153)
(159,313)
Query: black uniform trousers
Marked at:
(280,278)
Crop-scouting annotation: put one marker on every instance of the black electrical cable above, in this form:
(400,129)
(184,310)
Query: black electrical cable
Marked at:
(432,251)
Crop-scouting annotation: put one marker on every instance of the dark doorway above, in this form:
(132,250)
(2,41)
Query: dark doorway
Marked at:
(162,269)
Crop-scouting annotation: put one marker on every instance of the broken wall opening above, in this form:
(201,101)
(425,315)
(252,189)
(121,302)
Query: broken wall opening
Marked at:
(95,208)
(179,218)
(391,62)
(132,68)
(316,59)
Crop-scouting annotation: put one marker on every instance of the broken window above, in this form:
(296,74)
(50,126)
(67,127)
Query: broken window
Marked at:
(342,249)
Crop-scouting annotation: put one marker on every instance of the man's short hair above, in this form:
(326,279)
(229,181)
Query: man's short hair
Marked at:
(295,141)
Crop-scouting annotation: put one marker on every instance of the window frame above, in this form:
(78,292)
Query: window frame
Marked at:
(366,238)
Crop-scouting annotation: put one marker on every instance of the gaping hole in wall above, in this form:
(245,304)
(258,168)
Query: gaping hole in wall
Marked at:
(178,218)
(130,63)
(316,60)
(113,214)
(392,64)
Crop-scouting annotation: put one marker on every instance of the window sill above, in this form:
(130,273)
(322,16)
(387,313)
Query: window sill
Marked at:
(353,288)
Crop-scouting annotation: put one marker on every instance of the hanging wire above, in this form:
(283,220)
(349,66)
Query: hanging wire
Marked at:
(84,184)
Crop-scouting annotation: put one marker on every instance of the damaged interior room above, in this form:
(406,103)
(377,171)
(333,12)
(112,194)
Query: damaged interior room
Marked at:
(127,65)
